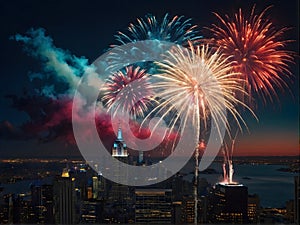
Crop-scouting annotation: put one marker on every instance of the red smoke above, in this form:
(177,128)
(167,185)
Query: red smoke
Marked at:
(51,119)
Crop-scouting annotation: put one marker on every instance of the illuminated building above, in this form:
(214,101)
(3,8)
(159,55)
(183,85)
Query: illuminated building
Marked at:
(153,206)
(119,149)
(81,184)
(4,209)
(188,209)
(119,199)
(95,187)
(119,152)
(228,203)
(91,212)
(23,211)
(177,212)
(253,208)
(89,192)
(64,190)
(14,210)
(47,200)
(141,157)
(42,202)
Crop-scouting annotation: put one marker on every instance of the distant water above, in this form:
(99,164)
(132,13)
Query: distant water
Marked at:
(273,187)
(23,186)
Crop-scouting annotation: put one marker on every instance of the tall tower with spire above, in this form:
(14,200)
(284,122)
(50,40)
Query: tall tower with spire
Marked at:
(64,198)
(118,196)
(119,149)
(119,152)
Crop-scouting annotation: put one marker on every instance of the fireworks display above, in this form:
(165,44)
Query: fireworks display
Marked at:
(177,30)
(228,170)
(132,95)
(128,91)
(197,81)
(257,50)
(244,57)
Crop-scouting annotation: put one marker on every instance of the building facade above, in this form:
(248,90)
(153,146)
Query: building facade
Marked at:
(153,206)
(228,203)
(64,195)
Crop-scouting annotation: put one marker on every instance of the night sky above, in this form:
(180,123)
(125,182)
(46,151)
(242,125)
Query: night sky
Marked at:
(87,28)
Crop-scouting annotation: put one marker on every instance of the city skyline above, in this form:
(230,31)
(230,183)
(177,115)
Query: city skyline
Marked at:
(71,192)
(77,194)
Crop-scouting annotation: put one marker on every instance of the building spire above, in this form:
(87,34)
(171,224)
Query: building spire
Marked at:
(120,135)
(65,173)
(119,148)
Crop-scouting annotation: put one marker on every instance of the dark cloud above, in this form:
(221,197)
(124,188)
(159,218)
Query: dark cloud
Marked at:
(10,132)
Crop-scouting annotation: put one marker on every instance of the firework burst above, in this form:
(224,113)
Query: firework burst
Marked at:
(128,91)
(199,82)
(177,30)
(257,50)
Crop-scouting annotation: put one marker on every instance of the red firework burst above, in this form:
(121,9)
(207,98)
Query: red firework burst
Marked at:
(129,91)
(257,49)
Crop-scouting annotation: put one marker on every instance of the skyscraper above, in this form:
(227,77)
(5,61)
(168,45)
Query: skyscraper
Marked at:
(188,209)
(153,206)
(91,211)
(253,208)
(119,199)
(141,157)
(42,202)
(228,203)
(119,152)
(95,187)
(119,148)
(64,190)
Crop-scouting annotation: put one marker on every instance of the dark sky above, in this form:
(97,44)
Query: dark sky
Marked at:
(86,28)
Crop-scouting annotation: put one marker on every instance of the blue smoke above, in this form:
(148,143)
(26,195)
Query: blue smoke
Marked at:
(61,65)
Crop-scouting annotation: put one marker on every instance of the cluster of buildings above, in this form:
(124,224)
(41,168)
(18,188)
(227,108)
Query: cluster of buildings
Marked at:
(80,195)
